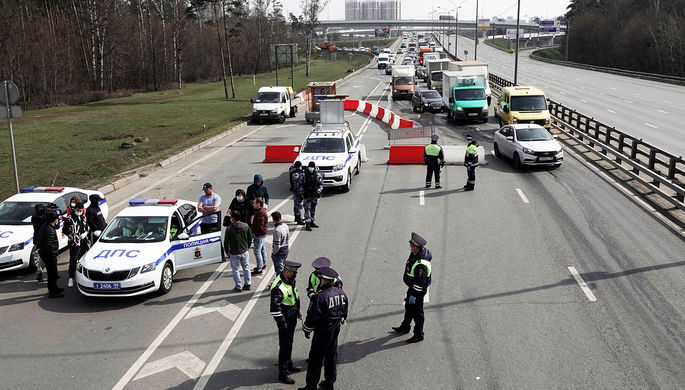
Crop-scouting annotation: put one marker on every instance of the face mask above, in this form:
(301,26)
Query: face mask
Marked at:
(311,170)
(239,198)
(73,205)
(79,212)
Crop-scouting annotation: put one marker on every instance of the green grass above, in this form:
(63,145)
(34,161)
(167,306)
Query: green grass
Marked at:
(500,42)
(79,145)
(553,54)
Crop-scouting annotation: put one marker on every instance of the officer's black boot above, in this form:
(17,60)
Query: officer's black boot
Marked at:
(313,224)
(326,385)
(298,220)
(307,227)
(286,379)
(400,329)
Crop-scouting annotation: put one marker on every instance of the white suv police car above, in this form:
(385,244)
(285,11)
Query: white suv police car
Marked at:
(16,231)
(336,152)
(144,246)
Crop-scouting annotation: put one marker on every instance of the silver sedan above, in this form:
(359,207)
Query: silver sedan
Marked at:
(528,144)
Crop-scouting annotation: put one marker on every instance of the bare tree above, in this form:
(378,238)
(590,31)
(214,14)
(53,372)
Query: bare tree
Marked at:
(311,10)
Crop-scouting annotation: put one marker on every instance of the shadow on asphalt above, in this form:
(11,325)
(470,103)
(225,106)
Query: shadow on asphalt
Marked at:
(239,378)
(354,351)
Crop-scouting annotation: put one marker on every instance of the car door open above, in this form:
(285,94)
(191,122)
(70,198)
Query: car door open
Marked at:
(196,250)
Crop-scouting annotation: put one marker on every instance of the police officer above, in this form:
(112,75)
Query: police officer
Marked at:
(417,277)
(315,277)
(434,159)
(327,311)
(285,308)
(471,162)
(297,189)
(313,186)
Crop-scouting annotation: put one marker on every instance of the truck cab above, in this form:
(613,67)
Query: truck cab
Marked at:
(522,104)
(273,104)
(383,60)
(468,101)
(403,81)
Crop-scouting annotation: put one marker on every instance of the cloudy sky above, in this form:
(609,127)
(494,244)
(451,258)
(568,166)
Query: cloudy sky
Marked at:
(421,9)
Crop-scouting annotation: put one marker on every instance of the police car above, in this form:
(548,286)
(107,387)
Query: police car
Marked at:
(333,147)
(16,231)
(144,246)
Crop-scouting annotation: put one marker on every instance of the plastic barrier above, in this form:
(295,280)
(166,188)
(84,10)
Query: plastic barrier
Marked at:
(380,113)
(406,154)
(280,153)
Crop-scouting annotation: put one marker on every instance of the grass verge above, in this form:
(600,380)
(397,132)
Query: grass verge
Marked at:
(553,54)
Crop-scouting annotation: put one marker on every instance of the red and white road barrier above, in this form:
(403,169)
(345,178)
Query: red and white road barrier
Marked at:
(380,113)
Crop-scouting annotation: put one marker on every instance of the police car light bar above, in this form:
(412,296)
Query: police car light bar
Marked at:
(42,189)
(331,96)
(152,202)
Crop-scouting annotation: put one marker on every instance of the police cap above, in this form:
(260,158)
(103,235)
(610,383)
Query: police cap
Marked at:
(291,265)
(321,262)
(434,137)
(417,240)
(469,137)
(328,273)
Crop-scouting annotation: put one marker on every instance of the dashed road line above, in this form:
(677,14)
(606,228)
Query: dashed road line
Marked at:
(627,101)
(663,112)
(523,197)
(583,100)
(583,286)
(611,111)
(422,201)
(651,125)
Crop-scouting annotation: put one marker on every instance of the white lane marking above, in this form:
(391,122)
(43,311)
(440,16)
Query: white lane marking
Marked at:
(611,111)
(284,201)
(185,361)
(185,168)
(636,94)
(172,324)
(421,199)
(562,92)
(613,88)
(602,93)
(583,100)
(650,125)
(667,101)
(663,112)
(219,355)
(523,197)
(223,307)
(583,286)
(627,101)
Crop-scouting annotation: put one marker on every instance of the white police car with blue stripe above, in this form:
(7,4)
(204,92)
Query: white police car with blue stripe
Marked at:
(144,246)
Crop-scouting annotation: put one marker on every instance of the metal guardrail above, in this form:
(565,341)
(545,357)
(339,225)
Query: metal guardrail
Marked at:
(621,72)
(659,170)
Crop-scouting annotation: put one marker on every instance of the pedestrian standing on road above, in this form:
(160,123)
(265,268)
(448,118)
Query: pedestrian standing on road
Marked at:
(257,190)
(76,229)
(96,221)
(48,246)
(241,207)
(260,228)
(281,237)
(237,245)
(315,277)
(285,309)
(327,311)
(297,189)
(417,277)
(434,159)
(313,187)
(209,203)
(471,162)
(37,220)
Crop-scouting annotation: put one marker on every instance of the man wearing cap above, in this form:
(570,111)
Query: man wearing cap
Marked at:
(279,244)
(209,203)
(417,277)
(315,277)
(297,189)
(328,310)
(471,162)
(285,309)
(313,186)
(434,159)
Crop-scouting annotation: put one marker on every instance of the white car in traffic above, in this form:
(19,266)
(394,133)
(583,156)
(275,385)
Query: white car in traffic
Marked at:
(16,231)
(144,246)
(528,144)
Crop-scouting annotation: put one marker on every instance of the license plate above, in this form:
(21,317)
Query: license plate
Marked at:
(263,114)
(107,286)
(472,114)
(545,158)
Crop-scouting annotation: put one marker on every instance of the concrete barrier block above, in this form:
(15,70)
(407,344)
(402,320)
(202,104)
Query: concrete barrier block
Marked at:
(123,182)
(454,154)
(106,189)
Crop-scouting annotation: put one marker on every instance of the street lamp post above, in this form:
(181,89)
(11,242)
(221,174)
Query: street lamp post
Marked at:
(475,45)
(456,33)
(516,56)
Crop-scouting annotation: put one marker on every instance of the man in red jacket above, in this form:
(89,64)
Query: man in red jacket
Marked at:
(259,230)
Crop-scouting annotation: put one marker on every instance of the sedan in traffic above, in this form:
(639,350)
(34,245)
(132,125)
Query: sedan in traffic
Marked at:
(528,144)
(426,100)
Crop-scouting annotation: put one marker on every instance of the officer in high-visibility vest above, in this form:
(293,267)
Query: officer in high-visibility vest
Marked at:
(285,309)
(434,159)
(417,277)
(471,162)
(315,277)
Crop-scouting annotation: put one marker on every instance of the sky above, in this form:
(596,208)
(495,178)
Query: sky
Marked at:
(421,9)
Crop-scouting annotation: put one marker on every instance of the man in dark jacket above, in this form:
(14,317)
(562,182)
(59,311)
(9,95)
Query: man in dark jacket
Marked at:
(237,242)
(471,162)
(76,229)
(37,220)
(417,277)
(434,158)
(313,186)
(258,190)
(297,189)
(48,247)
(260,223)
(94,218)
(285,309)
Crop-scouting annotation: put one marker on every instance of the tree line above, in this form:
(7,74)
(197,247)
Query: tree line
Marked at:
(76,51)
(640,35)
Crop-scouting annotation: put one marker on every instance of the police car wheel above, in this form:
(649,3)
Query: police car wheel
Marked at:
(348,185)
(167,279)
(33,263)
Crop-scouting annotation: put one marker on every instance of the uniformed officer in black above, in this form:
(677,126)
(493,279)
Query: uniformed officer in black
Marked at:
(315,277)
(327,311)
(471,162)
(417,277)
(285,308)
(434,159)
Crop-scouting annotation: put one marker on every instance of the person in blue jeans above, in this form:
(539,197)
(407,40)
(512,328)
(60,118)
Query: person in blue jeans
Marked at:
(259,228)
(237,244)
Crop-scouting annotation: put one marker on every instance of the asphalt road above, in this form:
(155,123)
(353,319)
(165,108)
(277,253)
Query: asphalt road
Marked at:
(504,310)
(645,109)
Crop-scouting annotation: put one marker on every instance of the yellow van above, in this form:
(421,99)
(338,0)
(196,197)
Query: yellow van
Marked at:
(522,105)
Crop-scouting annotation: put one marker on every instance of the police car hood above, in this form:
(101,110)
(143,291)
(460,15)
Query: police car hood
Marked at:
(14,234)
(541,146)
(122,256)
(323,160)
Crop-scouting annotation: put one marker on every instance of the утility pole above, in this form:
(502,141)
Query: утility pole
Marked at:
(9,123)
(516,56)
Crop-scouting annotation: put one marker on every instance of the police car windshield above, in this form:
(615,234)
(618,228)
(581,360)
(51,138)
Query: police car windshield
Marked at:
(136,229)
(532,134)
(528,103)
(469,94)
(268,97)
(324,145)
(16,213)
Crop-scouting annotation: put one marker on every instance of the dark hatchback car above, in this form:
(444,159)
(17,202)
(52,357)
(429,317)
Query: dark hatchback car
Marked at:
(426,100)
